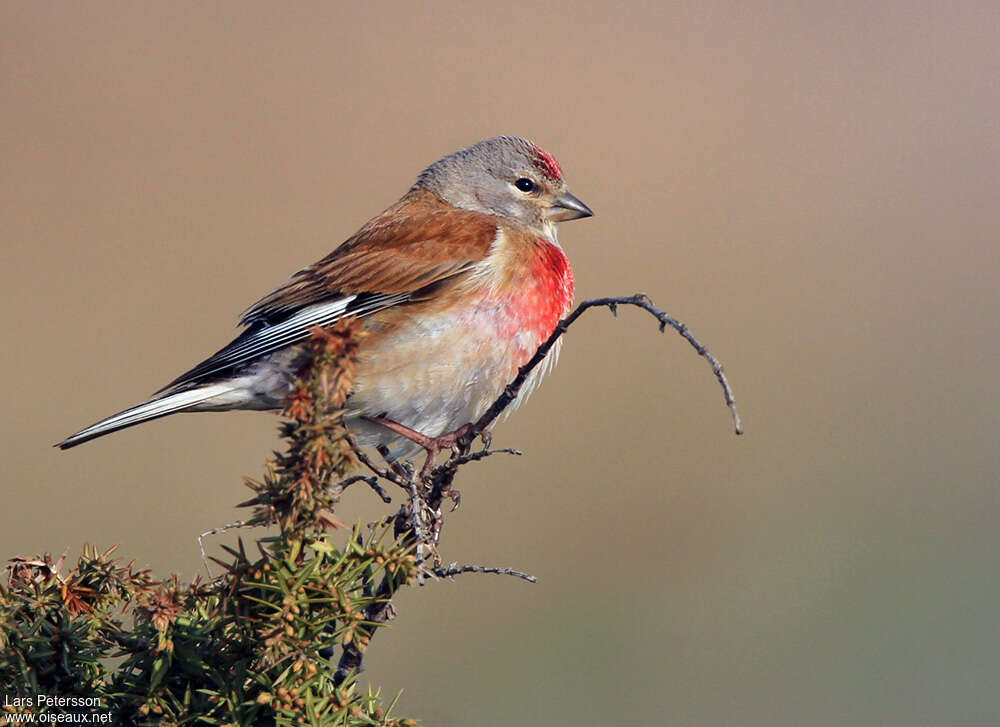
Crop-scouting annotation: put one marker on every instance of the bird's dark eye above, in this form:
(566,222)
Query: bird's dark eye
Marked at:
(525,185)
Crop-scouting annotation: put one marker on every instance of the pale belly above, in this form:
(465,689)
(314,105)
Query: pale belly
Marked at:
(437,373)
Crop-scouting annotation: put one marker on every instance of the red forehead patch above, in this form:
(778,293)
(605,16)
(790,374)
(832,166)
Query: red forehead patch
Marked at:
(548,163)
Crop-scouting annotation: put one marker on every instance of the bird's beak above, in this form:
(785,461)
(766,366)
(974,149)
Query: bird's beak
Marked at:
(567,207)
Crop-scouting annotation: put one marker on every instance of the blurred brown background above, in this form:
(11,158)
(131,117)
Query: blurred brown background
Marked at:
(812,187)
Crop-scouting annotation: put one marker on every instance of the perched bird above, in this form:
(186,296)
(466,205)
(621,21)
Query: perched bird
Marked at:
(457,284)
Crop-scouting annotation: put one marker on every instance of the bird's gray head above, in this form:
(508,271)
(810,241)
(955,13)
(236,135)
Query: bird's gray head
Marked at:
(506,176)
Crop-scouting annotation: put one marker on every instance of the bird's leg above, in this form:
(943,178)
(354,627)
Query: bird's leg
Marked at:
(432,445)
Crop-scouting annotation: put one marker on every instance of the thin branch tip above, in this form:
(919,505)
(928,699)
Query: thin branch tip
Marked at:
(455,569)
(640,300)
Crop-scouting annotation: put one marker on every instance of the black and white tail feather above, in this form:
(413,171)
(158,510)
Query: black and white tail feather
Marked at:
(221,381)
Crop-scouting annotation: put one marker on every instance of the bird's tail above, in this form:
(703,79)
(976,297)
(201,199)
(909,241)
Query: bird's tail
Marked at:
(147,411)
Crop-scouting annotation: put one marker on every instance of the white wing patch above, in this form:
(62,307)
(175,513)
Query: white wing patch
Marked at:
(293,329)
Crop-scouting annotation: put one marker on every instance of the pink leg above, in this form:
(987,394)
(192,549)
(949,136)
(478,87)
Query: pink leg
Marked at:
(432,445)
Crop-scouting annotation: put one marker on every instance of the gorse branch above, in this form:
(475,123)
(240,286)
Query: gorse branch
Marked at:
(295,492)
(258,645)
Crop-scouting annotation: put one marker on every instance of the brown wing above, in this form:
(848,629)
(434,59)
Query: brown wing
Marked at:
(415,243)
(404,253)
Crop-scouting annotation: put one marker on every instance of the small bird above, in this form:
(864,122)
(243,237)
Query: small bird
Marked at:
(457,284)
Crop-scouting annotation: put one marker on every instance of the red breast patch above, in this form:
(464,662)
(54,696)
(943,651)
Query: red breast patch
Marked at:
(546,294)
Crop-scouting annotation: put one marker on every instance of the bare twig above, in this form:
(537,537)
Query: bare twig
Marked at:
(216,531)
(461,459)
(415,519)
(372,482)
(455,569)
(639,300)
(385,474)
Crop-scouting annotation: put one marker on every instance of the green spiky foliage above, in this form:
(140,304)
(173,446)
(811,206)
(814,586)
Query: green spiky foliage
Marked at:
(264,643)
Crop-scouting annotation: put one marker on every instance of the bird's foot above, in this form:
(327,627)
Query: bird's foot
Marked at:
(454,441)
